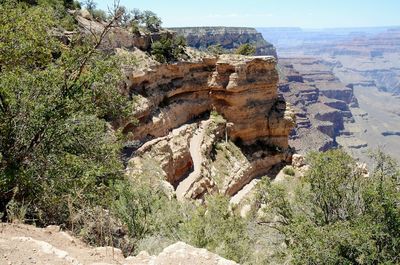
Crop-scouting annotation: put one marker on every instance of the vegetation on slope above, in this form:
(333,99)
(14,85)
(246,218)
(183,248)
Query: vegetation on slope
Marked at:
(57,150)
(60,164)
(337,215)
(246,49)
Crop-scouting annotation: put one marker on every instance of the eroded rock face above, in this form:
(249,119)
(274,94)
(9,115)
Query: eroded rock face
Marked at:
(229,38)
(174,106)
(321,101)
(242,89)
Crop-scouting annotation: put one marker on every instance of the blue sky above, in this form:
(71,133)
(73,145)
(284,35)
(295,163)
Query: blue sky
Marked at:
(270,13)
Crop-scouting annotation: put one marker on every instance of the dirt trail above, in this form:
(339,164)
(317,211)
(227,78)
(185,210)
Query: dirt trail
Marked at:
(197,158)
(245,191)
(25,244)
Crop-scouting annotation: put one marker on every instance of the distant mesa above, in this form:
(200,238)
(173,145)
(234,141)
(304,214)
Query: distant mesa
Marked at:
(229,38)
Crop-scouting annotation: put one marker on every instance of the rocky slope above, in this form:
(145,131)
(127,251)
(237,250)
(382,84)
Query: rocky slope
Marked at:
(191,113)
(322,103)
(366,59)
(189,116)
(228,37)
(23,244)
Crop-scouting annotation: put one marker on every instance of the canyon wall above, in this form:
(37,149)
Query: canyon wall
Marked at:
(365,59)
(321,102)
(229,38)
(193,115)
(205,124)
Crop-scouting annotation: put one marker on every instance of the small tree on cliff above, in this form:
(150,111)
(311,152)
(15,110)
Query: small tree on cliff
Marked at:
(216,49)
(169,49)
(246,49)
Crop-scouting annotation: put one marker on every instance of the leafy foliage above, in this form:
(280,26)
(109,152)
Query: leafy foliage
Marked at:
(336,215)
(289,171)
(218,229)
(216,49)
(147,19)
(55,143)
(169,49)
(246,49)
(23,32)
(97,14)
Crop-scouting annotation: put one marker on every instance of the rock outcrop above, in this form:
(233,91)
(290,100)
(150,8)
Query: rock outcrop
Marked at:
(23,244)
(228,37)
(118,37)
(321,101)
(189,113)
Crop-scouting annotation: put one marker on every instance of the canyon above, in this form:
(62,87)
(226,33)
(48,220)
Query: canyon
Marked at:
(339,82)
(365,59)
(229,38)
(208,126)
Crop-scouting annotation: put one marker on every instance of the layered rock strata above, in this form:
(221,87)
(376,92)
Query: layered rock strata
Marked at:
(188,114)
(229,38)
(322,102)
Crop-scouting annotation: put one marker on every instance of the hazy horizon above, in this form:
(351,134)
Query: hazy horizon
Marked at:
(307,14)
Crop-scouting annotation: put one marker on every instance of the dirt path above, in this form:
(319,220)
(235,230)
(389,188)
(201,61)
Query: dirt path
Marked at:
(197,159)
(24,244)
(245,191)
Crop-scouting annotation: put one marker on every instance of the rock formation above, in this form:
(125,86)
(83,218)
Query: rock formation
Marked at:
(189,116)
(119,37)
(229,38)
(182,141)
(321,101)
(24,244)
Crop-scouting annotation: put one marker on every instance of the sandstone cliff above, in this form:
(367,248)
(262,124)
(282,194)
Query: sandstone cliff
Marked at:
(228,37)
(204,125)
(194,115)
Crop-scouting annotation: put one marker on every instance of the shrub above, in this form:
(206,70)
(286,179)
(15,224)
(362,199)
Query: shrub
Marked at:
(215,227)
(97,14)
(246,49)
(289,171)
(56,147)
(169,49)
(152,21)
(216,49)
(336,215)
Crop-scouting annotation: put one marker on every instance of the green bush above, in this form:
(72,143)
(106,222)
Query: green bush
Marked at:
(216,49)
(215,227)
(57,150)
(288,170)
(336,215)
(169,49)
(98,14)
(246,49)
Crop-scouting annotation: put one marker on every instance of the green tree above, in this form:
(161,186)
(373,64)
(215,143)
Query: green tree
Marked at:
(216,49)
(55,101)
(151,20)
(246,49)
(336,215)
(169,49)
